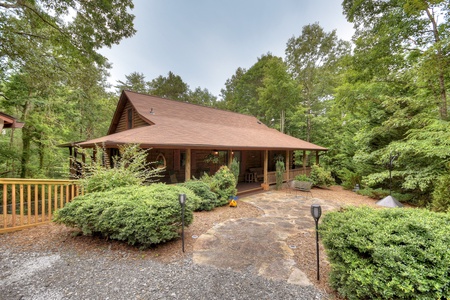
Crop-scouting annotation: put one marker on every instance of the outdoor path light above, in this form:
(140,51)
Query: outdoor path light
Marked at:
(182,200)
(316,212)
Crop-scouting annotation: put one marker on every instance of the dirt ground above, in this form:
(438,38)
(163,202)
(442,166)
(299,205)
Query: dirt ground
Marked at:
(54,238)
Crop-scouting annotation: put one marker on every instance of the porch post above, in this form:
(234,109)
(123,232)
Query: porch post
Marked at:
(187,170)
(266,167)
(317,157)
(304,162)
(288,163)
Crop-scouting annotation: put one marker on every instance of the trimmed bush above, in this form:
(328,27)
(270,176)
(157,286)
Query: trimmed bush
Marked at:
(208,199)
(138,215)
(320,176)
(388,253)
(222,183)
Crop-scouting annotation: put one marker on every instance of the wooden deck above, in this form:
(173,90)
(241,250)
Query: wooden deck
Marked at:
(247,187)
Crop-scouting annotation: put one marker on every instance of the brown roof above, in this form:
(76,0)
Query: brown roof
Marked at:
(175,124)
(10,122)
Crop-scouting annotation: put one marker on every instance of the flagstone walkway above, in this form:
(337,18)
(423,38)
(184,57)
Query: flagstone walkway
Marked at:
(259,244)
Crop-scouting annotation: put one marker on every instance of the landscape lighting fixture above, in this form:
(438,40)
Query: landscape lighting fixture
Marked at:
(182,200)
(316,212)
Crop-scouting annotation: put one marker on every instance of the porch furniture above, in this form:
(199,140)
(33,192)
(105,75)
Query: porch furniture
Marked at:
(259,173)
(249,177)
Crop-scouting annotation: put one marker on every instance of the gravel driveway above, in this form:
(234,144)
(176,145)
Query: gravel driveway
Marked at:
(65,275)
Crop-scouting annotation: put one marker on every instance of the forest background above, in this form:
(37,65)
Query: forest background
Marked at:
(382,94)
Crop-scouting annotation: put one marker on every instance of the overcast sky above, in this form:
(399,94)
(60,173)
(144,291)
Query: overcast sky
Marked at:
(205,41)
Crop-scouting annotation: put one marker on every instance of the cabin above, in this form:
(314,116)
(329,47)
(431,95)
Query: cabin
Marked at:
(190,140)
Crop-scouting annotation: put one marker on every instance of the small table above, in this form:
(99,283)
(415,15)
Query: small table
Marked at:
(249,177)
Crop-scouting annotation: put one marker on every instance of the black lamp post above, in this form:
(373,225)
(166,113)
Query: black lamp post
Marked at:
(316,212)
(182,200)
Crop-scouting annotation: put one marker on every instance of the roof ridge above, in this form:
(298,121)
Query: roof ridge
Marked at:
(195,104)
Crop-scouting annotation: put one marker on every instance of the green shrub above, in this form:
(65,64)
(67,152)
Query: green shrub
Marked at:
(303,177)
(222,183)
(235,169)
(441,195)
(279,173)
(373,193)
(130,168)
(388,253)
(320,176)
(200,188)
(138,215)
(349,179)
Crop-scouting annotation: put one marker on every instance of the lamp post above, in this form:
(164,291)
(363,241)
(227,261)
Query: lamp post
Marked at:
(182,200)
(316,212)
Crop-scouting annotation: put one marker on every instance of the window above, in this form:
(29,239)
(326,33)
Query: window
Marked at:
(130,118)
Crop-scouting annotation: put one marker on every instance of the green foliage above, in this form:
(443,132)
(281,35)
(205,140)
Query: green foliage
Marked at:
(139,215)
(235,168)
(130,168)
(208,199)
(303,177)
(222,183)
(441,195)
(279,173)
(320,176)
(373,193)
(349,178)
(388,253)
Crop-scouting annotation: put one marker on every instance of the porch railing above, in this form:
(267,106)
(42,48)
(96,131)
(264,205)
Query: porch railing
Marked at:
(30,202)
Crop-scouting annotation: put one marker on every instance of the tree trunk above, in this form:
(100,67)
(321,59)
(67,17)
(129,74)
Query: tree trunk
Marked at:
(443,111)
(25,159)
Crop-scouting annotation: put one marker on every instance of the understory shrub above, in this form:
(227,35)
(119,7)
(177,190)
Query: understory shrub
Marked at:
(388,253)
(303,177)
(235,169)
(208,199)
(279,173)
(222,183)
(320,176)
(349,179)
(138,215)
(380,194)
(130,168)
(441,195)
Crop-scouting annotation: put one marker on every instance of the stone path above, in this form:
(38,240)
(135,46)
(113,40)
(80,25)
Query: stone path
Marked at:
(259,244)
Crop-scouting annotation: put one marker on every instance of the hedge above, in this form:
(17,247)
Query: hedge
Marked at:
(208,199)
(138,215)
(388,253)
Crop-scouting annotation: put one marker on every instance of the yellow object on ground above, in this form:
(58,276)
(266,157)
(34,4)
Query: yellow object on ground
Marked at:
(233,203)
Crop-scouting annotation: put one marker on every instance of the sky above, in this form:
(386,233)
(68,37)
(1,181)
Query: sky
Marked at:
(205,41)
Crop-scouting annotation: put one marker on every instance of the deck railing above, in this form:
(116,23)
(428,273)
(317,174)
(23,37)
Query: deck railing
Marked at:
(31,202)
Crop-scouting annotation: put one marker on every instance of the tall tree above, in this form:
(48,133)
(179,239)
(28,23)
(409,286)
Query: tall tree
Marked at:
(388,31)
(134,82)
(171,87)
(201,97)
(312,58)
(244,89)
(48,53)
(72,26)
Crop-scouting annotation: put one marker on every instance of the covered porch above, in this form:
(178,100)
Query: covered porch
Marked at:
(256,166)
